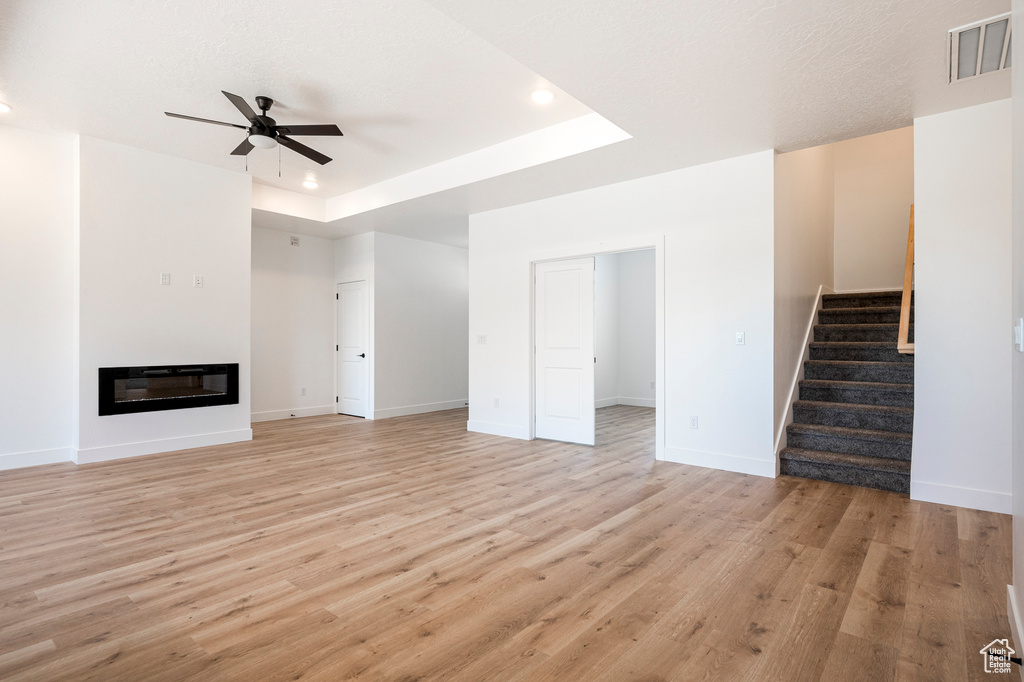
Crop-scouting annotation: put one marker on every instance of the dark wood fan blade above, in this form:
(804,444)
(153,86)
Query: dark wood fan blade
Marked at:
(325,129)
(304,150)
(241,105)
(206,120)
(244,148)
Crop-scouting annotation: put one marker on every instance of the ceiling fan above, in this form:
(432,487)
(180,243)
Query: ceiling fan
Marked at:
(264,131)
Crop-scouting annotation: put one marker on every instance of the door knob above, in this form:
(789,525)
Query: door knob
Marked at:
(362,355)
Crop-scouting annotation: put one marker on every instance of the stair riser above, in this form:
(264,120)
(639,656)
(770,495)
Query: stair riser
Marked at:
(826,332)
(880,480)
(862,354)
(831,301)
(858,396)
(896,374)
(854,420)
(851,446)
(843,316)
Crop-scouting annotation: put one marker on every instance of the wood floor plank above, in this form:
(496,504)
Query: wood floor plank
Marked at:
(332,548)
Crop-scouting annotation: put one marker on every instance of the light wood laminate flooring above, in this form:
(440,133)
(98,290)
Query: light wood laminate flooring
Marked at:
(333,548)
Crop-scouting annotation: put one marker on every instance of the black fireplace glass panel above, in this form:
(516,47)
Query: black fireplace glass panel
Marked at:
(124,390)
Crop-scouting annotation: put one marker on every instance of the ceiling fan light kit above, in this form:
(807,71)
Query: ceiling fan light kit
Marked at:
(264,133)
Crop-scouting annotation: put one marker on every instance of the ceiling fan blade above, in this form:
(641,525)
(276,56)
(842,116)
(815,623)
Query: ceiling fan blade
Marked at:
(244,148)
(206,120)
(241,105)
(326,129)
(304,150)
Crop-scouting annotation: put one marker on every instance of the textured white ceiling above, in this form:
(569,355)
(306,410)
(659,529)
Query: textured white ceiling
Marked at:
(413,83)
(708,80)
(408,86)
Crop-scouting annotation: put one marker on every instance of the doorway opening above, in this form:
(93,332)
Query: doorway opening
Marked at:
(596,356)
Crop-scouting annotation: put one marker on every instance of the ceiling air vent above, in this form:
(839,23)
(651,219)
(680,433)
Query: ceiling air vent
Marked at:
(979,48)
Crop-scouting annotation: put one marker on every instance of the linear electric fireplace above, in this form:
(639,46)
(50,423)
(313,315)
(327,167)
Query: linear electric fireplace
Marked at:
(124,390)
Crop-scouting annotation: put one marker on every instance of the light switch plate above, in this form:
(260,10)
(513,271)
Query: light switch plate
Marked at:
(741,338)
(1018,335)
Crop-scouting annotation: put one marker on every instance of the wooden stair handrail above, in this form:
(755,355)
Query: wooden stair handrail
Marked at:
(902,345)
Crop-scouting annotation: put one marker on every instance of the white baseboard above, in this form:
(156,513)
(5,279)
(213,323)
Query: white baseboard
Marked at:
(939,493)
(1016,627)
(17,460)
(419,409)
(638,402)
(714,460)
(635,402)
(798,373)
(150,447)
(505,430)
(273,415)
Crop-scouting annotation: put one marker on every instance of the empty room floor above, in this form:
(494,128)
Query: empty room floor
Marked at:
(331,548)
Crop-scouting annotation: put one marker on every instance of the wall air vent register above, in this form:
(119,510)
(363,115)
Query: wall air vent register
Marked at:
(979,48)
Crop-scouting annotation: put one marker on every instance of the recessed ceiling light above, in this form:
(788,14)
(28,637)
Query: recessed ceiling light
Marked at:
(542,96)
(4,108)
(310,184)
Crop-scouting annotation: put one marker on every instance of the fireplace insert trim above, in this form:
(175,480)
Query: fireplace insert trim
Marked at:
(129,390)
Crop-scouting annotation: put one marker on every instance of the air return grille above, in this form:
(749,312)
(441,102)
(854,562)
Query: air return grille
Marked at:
(979,48)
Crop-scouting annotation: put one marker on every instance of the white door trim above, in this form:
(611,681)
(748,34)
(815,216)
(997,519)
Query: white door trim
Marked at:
(633,243)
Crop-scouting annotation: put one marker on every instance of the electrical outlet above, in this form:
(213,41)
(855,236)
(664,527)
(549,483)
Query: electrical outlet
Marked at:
(294,241)
(165,279)
(496,402)
(1018,335)
(302,391)
(481,339)
(652,384)
(693,422)
(197,281)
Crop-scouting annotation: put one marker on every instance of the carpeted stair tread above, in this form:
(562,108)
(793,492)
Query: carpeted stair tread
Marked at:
(859,370)
(872,315)
(858,332)
(856,345)
(865,299)
(848,433)
(854,415)
(847,460)
(854,407)
(859,385)
(865,351)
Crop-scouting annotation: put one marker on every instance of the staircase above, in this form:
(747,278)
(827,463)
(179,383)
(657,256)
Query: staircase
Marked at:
(854,420)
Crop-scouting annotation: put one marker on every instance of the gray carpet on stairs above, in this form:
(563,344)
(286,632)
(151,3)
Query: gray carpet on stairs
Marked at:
(854,418)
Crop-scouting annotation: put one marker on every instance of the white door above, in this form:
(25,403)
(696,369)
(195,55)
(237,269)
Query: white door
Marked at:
(353,344)
(564,342)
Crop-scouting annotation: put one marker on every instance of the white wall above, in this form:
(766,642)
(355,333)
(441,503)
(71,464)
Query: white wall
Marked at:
(874,188)
(714,226)
(963,362)
(37,275)
(420,338)
(292,325)
(803,264)
(636,334)
(142,214)
(606,329)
